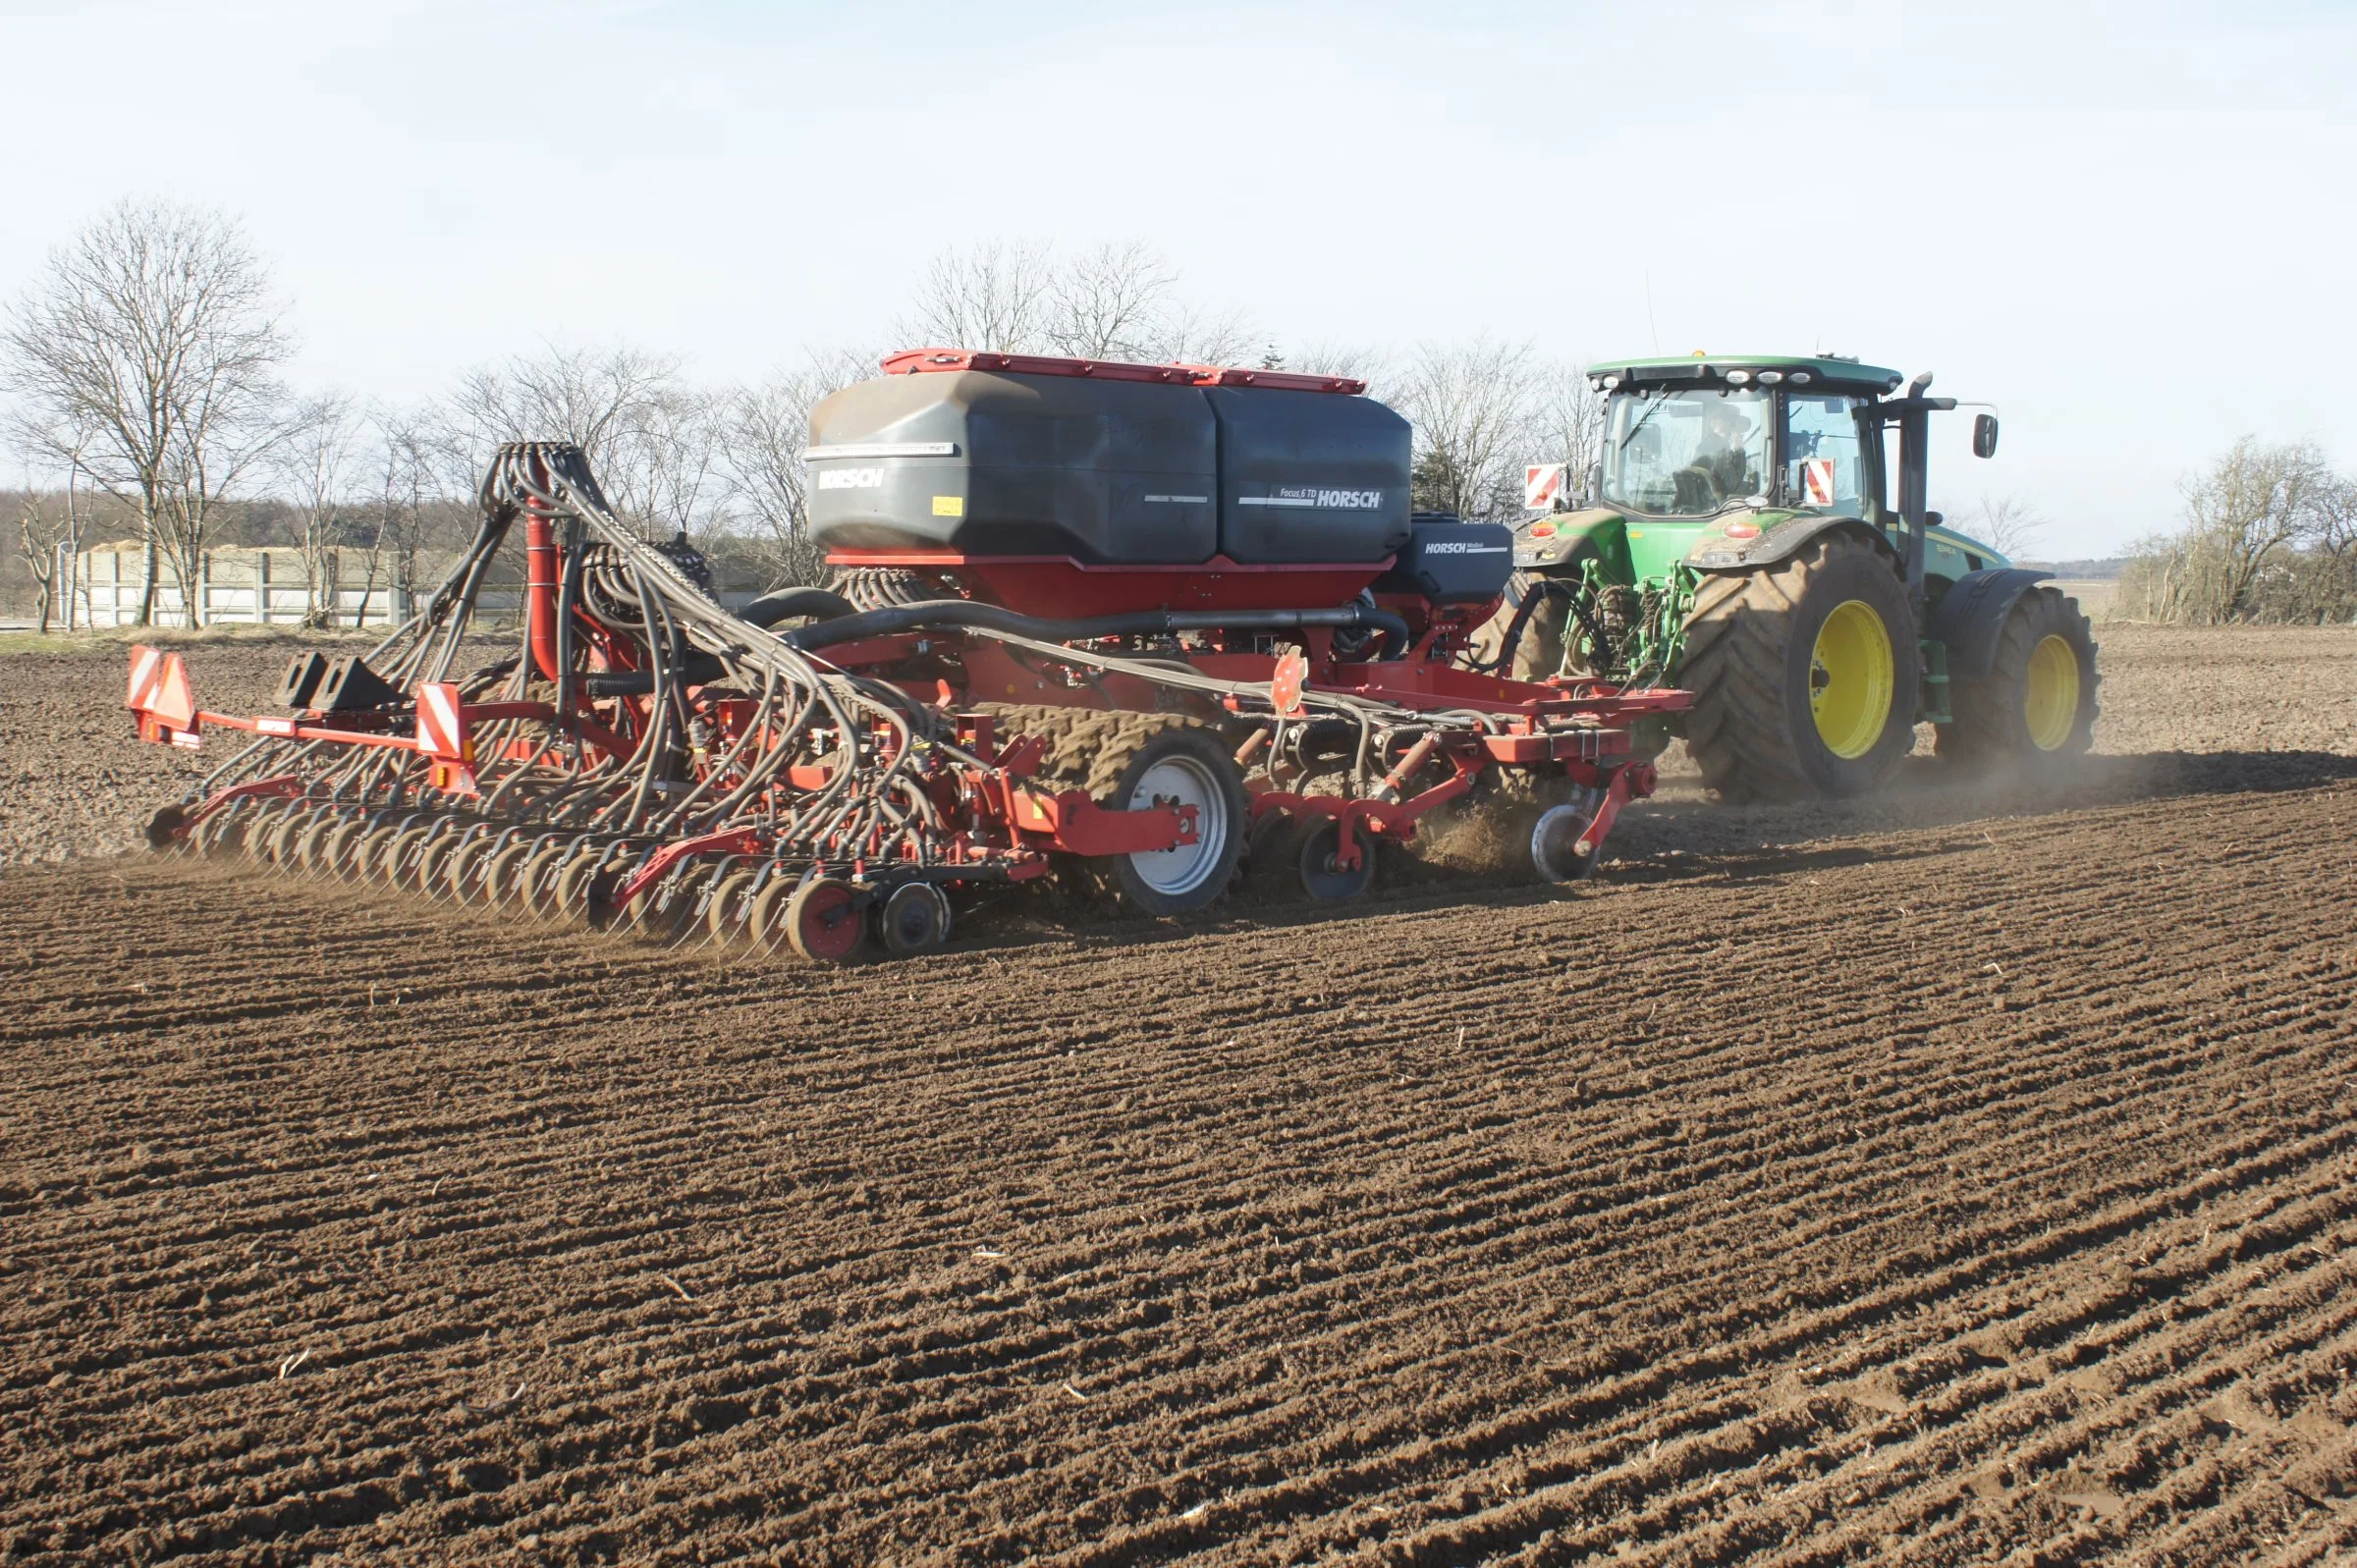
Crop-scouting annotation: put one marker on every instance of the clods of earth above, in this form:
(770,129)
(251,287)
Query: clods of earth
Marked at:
(1960,1177)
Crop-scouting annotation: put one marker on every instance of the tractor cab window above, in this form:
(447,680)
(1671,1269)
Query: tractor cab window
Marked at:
(1824,462)
(1685,453)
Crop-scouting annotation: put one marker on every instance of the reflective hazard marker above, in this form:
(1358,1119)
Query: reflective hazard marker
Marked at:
(1542,486)
(442,736)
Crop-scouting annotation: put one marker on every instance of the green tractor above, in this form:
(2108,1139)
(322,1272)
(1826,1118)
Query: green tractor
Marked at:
(1737,540)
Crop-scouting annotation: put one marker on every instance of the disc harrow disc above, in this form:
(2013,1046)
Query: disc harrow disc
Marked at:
(433,864)
(309,842)
(335,855)
(730,906)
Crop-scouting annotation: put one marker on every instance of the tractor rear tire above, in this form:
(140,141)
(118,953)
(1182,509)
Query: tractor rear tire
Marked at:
(2033,714)
(1803,674)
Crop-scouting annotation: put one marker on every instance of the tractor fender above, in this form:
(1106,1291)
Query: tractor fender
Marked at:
(1972,612)
(1715,552)
(1596,530)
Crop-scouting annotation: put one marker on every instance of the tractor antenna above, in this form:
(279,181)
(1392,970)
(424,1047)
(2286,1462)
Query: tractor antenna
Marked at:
(1648,321)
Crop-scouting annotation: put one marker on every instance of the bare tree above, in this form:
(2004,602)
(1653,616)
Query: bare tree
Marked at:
(60,523)
(412,464)
(1118,301)
(42,527)
(1567,425)
(650,437)
(1357,361)
(1190,335)
(2008,524)
(154,332)
(1108,304)
(996,296)
(663,461)
(314,465)
(2255,500)
(1472,406)
(764,436)
(2258,543)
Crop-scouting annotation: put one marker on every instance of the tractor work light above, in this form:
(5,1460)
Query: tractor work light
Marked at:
(1769,378)
(1736,378)
(1802,378)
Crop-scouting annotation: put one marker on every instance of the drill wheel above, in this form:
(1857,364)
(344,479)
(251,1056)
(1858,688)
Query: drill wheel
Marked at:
(222,833)
(1322,876)
(270,849)
(462,874)
(503,869)
(527,891)
(1555,839)
(823,922)
(428,875)
(334,853)
(312,838)
(163,829)
(728,911)
(577,897)
(820,919)
(392,864)
(914,919)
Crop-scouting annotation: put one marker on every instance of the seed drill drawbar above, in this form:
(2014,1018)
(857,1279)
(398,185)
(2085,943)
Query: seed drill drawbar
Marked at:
(1143,627)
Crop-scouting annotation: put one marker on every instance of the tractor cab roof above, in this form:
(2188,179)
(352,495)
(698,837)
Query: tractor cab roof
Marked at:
(1736,369)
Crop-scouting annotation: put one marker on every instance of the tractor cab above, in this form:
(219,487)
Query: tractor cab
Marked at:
(1773,440)
(1691,446)
(1718,464)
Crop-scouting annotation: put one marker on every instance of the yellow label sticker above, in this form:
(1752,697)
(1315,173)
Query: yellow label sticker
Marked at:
(949,506)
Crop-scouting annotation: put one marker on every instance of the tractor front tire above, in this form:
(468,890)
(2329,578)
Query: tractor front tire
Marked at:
(2033,714)
(1803,674)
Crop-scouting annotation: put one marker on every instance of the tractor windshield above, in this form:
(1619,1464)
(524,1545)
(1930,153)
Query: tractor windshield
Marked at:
(1824,464)
(1685,453)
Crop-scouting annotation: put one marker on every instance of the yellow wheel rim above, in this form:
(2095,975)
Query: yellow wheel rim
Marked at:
(2049,698)
(1851,676)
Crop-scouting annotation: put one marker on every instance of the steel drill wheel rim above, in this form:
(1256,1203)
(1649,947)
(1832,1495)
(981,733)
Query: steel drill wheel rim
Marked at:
(1183,780)
(2050,693)
(1853,679)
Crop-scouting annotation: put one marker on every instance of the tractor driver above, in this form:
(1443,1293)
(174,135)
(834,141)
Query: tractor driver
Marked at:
(1722,469)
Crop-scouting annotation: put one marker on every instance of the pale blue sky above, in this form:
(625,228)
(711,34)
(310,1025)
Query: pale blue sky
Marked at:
(2130,226)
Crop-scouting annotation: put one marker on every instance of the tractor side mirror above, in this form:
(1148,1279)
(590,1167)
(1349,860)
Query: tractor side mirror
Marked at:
(1984,435)
(1595,495)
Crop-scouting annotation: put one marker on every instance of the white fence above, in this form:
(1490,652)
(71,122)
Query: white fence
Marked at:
(248,587)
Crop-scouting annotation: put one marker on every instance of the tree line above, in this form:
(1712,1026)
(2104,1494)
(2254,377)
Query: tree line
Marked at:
(144,372)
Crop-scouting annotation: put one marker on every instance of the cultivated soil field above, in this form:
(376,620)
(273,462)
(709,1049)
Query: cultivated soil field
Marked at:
(1962,1177)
